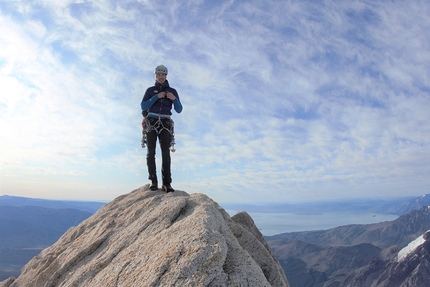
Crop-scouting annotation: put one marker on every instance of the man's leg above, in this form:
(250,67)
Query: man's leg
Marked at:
(151,138)
(165,138)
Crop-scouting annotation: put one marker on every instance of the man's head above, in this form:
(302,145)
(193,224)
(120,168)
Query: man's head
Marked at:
(160,74)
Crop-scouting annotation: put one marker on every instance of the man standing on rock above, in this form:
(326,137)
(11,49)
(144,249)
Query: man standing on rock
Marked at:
(156,106)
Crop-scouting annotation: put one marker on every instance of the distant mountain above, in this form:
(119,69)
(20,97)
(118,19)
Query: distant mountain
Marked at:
(35,227)
(412,269)
(327,257)
(397,206)
(415,203)
(311,265)
(384,234)
(26,230)
(88,206)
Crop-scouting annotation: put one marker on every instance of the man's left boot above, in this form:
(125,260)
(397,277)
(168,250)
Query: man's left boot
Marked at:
(167,188)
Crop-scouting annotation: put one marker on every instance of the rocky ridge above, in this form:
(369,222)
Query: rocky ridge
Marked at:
(410,270)
(150,238)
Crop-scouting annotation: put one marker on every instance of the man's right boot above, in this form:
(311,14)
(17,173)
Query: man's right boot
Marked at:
(153,185)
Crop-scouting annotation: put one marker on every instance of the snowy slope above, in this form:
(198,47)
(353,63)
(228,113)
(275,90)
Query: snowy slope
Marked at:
(410,248)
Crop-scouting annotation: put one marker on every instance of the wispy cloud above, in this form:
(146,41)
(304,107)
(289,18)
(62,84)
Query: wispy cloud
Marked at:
(289,100)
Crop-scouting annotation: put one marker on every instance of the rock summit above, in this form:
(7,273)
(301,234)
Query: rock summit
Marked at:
(153,238)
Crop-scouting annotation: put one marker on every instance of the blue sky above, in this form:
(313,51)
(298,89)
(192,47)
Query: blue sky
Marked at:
(284,101)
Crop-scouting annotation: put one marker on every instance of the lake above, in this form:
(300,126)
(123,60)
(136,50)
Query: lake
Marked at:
(276,223)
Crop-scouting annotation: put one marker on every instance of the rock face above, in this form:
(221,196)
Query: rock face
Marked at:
(150,238)
(411,270)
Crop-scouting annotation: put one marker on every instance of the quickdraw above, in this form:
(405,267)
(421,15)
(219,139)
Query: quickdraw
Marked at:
(158,126)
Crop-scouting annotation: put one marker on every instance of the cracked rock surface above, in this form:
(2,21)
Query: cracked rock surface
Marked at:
(150,238)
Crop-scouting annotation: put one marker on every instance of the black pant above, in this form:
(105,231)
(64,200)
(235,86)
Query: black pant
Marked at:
(162,133)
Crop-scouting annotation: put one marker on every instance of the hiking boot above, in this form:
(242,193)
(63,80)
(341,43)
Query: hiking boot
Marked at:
(153,185)
(167,188)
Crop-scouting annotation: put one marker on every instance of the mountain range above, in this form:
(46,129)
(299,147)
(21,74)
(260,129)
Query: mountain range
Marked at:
(338,256)
(88,206)
(28,225)
(395,205)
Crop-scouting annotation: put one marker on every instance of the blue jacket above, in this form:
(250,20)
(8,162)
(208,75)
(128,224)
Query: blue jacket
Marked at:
(153,104)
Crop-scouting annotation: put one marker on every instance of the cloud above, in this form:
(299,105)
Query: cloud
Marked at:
(299,99)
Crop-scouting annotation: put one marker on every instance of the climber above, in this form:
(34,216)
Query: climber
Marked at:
(156,107)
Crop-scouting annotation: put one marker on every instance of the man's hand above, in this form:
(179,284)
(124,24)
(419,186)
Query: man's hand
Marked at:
(171,96)
(161,95)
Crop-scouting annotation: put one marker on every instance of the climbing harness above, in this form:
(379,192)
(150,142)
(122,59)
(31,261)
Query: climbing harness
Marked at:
(158,125)
(157,119)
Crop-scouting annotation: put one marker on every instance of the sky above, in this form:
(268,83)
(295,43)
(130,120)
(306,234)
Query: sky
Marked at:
(283,101)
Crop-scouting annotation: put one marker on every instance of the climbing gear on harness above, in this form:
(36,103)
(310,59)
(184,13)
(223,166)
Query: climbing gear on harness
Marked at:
(172,136)
(144,131)
(163,122)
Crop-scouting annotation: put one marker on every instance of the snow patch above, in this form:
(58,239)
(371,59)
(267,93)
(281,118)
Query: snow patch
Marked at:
(410,248)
